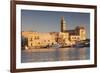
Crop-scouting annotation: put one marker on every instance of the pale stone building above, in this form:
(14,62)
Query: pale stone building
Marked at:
(37,39)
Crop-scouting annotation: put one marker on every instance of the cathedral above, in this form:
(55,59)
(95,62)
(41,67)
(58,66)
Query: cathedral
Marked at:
(43,39)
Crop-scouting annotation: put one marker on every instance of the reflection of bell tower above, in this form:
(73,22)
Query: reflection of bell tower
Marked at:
(63,24)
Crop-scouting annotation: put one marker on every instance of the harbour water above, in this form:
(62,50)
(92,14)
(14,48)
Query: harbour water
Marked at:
(55,54)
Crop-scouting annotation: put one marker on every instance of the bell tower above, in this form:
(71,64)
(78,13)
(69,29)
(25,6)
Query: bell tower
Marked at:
(63,24)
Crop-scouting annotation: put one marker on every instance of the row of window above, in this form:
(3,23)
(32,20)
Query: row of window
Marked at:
(77,38)
(44,40)
(36,38)
(42,43)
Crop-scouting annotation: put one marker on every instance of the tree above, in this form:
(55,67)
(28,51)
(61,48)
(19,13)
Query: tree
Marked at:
(24,42)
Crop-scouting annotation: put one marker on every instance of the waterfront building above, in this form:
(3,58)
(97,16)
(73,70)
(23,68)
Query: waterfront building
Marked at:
(45,39)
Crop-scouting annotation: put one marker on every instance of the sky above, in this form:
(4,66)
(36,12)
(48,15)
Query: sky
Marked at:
(49,21)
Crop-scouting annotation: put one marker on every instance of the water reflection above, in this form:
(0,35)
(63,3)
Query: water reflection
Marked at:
(58,54)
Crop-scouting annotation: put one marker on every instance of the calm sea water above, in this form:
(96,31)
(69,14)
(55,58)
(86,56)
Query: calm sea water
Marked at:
(61,54)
